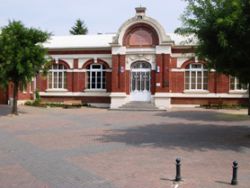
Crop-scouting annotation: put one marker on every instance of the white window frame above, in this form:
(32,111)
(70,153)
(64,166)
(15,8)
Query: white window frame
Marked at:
(236,82)
(57,71)
(192,69)
(92,70)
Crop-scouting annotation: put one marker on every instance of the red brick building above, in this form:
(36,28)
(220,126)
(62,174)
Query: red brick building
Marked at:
(141,62)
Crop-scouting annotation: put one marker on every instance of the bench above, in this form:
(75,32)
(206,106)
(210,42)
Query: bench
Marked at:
(72,103)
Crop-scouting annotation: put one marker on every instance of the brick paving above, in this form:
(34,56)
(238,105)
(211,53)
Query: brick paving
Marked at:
(98,148)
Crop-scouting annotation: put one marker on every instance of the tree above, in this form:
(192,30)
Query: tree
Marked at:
(21,55)
(222,28)
(79,28)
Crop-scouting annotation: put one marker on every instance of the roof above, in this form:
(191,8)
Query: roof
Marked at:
(100,41)
(79,41)
(183,40)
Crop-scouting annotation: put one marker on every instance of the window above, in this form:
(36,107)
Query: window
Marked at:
(196,77)
(236,85)
(57,77)
(23,88)
(96,77)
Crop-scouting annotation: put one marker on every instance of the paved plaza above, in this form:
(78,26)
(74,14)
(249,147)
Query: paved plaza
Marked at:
(99,148)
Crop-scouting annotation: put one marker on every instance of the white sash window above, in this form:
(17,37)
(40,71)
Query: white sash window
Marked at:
(96,77)
(236,85)
(196,77)
(57,77)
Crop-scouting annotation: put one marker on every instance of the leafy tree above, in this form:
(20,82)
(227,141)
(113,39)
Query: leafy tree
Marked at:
(79,28)
(21,55)
(222,28)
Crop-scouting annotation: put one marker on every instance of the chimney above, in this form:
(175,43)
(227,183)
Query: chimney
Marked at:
(140,11)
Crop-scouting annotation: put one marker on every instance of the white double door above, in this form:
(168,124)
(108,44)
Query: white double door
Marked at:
(140,84)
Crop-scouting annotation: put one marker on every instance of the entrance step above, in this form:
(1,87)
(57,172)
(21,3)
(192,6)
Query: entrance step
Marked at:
(139,106)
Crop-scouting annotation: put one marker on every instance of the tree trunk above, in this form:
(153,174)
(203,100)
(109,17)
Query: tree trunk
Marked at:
(14,105)
(249,99)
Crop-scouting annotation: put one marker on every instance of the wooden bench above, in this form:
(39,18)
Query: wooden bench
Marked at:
(72,103)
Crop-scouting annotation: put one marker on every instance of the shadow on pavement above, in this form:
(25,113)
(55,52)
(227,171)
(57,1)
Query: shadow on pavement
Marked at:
(186,136)
(5,110)
(204,116)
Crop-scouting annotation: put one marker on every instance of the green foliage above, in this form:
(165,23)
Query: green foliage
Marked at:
(223,29)
(21,54)
(38,97)
(79,28)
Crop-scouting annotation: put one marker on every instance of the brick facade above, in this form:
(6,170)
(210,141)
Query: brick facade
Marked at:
(136,41)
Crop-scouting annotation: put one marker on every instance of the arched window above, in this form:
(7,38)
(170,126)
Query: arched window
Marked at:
(196,77)
(96,77)
(140,35)
(57,77)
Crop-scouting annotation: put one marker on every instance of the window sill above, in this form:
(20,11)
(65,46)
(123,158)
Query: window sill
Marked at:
(96,90)
(237,91)
(56,90)
(196,91)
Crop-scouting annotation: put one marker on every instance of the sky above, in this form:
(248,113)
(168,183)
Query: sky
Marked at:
(100,16)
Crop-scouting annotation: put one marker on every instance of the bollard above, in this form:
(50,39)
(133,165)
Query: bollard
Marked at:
(235,172)
(178,170)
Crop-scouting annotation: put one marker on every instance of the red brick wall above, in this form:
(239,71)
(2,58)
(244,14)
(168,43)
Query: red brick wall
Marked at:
(127,81)
(222,83)
(183,50)
(41,83)
(163,77)
(231,101)
(26,94)
(153,83)
(118,77)
(177,82)
(83,99)
(3,96)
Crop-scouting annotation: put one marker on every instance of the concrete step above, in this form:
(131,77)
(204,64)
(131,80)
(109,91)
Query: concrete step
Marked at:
(139,106)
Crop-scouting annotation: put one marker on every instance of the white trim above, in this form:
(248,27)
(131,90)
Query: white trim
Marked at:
(56,90)
(238,91)
(163,50)
(183,55)
(82,56)
(30,87)
(140,51)
(118,94)
(76,70)
(196,91)
(177,70)
(182,60)
(118,50)
(118,99)
(95,90)
(130,59)
(201,95)
(163,38)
